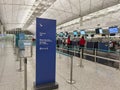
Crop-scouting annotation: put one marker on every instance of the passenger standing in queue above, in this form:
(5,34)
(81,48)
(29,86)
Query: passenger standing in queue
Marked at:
(82,44)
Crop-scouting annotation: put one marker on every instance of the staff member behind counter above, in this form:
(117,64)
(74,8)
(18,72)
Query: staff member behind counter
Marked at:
(112,45)
(82,44)
(117,47)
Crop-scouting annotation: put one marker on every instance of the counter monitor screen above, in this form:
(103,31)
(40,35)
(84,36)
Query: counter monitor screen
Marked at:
(113,30)
(75,33)
(82,32)
(61,34)
(99,31)
(66,34)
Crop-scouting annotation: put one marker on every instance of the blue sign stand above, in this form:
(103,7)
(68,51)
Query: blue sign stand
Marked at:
(21,36)
(45,54)
(20,41)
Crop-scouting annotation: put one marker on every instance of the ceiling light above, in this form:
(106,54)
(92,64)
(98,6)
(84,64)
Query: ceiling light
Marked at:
(36,11)
(50,3)
(39,7)
(43,2)
(44,8)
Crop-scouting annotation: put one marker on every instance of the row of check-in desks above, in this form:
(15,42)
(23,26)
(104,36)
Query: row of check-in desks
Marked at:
(110,55)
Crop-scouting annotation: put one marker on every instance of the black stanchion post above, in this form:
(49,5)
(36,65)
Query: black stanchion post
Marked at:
(59,52)
(20,59)
(71,81)
(25,73)
(31,50)
(74,50)
(81,56)
(17,52)
(95,55)
(119,59)
(20,64)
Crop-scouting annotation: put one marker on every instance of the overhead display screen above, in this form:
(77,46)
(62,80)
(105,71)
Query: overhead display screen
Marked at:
(113,30)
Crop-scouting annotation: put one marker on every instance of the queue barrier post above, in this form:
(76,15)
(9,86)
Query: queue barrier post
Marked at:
(25,73)
(81,58)
(95,56)
(119,59)
(31,50)
(20,65)
(17,53)
(71,81)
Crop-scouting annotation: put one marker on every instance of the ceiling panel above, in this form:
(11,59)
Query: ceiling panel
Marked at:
(75,6)
(23,10)
(1,1)
(105,21)
(16,1)
(7,1)
(29,2)
(108,3)
(14,12)
(8,8)
(57,6)
(98,6)
(85,7)
(65,5)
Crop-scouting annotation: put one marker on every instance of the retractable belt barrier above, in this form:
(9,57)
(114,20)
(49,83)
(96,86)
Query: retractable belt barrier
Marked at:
(73,50)
(70,81)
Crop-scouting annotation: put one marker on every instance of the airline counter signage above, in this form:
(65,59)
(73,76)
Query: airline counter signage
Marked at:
(45,54)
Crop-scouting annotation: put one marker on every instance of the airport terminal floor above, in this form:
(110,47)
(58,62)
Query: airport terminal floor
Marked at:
(92,76)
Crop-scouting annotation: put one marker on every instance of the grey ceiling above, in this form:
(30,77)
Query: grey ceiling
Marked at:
(14,12)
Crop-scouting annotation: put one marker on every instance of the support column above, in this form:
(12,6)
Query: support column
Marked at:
(81,21)
(2,29)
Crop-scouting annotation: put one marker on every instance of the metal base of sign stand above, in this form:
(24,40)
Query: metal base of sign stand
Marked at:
(71,82)
(82,66)
(17,60)
(19,70)
(49,86)
(59,56)
(17,54)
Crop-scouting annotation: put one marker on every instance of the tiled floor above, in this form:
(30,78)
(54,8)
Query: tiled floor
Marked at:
(10,78)
(92,77)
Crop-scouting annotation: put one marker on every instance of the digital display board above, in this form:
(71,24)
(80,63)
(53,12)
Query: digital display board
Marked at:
(113,30)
